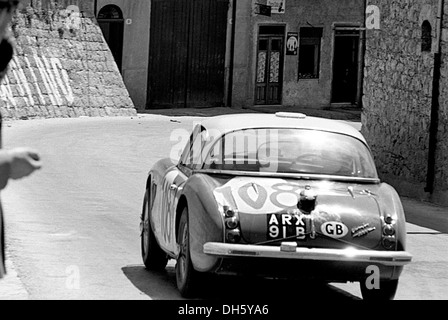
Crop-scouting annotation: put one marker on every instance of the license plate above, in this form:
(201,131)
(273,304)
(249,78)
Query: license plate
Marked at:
(282,226)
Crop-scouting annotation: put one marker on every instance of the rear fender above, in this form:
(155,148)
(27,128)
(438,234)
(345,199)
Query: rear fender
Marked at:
(390,203)
(159,217)
(158,171)
(206,223)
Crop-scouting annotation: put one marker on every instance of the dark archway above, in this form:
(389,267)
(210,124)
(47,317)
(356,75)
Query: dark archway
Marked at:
(346,64)
(426,36)
(111,22)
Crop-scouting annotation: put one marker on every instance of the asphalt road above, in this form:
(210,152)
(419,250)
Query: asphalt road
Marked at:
(73,227)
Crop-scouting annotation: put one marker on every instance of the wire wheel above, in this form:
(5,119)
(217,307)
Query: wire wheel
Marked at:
(153,256)
(186,276)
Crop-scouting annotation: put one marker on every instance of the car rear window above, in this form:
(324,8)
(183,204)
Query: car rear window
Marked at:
(292,151)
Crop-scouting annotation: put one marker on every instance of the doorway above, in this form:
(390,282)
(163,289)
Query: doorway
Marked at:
(269,71)
(111,22)
(187,53)
(346,67)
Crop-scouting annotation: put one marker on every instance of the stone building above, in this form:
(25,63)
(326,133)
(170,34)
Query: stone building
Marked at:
(62,67)
(405,116)
(240,53)
(313,47)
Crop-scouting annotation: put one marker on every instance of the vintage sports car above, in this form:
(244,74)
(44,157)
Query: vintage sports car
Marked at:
(276,195)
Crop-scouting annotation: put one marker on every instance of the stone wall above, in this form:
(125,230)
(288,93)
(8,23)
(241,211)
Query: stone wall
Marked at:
(62,67)
(397,97)
(441,177)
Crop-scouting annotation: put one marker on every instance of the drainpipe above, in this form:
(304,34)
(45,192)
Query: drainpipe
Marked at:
(435,104)
(361,59)
(232,55)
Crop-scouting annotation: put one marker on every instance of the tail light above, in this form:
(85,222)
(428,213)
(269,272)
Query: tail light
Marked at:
(229,213)
(233,236)
(388,230)
(389,240)
(232,223)
(388,219)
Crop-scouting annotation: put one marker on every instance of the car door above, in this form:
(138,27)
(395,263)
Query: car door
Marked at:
(171,189)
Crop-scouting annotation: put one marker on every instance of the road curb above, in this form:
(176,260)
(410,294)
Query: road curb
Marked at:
(11,287)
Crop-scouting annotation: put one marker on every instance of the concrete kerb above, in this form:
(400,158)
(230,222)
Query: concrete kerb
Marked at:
(11,287)
(426,214)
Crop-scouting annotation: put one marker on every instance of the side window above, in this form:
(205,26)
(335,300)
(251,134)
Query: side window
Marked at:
(237,151)
(215,156)
(184,158)
(192,157)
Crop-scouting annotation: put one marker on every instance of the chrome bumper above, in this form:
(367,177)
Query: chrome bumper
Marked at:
(387,258)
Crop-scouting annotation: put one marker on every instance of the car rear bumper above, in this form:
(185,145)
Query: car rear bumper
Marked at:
(385,258)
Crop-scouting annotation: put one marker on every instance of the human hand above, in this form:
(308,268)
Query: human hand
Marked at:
(24,161)
(7,8)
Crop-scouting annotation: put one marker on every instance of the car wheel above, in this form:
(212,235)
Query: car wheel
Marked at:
(386,291)
(186,276)
(153,256)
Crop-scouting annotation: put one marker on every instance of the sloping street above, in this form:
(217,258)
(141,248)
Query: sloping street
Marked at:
(72,229)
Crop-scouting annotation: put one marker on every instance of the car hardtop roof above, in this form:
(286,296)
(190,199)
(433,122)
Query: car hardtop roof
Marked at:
(235,122)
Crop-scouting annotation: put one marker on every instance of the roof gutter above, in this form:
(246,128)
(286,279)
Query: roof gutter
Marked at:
(435,104)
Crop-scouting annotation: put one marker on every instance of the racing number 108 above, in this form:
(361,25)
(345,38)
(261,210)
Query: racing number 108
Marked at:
(275,198)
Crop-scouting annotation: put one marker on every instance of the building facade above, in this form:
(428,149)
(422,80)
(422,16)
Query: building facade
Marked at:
(308,53)
(405,116)
(125,26)
(239,53)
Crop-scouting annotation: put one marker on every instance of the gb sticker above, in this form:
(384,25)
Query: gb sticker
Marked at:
(334,229)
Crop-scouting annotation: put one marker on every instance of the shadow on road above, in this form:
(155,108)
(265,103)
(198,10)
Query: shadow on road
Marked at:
(156,285)
(427,215)
(162,286)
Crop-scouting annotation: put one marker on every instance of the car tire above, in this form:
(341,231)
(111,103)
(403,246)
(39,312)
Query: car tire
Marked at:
(386,291)
(154,258)
(186,276)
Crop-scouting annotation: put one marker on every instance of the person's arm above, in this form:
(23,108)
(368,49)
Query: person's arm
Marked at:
(20,162)
(5,168)
(17,163)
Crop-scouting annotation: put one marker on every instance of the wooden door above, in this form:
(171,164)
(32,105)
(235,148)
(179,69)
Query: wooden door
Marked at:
(269,72)
(187,53)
